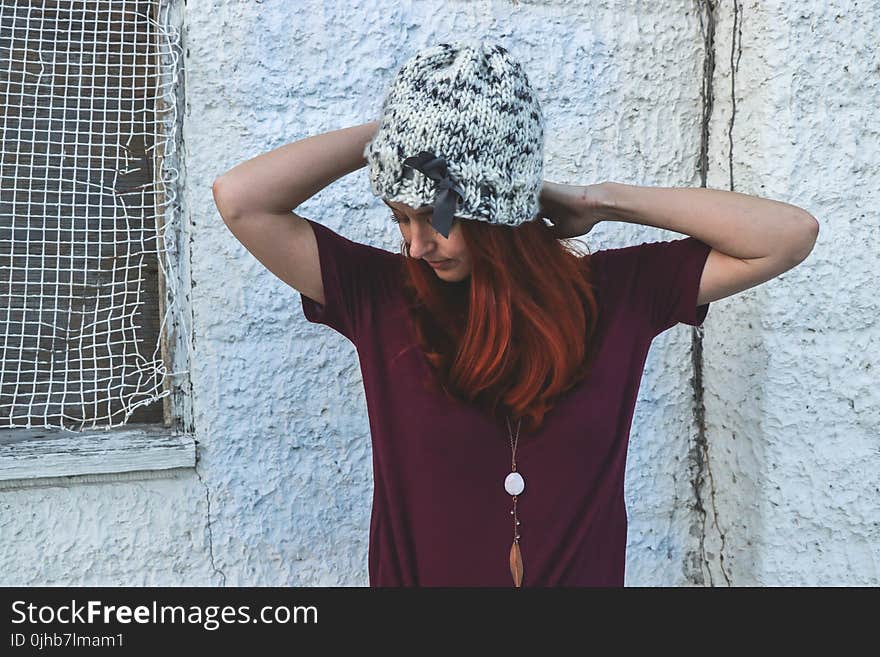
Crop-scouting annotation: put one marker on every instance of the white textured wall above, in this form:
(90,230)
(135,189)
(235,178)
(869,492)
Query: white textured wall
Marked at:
(754,451)
(792,371)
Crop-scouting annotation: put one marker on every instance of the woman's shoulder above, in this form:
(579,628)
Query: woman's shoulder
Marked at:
(350,251)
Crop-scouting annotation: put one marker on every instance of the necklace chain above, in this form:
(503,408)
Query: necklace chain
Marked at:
(516,567)
(513,443)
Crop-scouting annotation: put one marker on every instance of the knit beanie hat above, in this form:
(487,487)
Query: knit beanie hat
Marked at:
(461,130)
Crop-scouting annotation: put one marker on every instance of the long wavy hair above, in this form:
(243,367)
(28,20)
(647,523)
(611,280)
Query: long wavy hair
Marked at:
(518,332)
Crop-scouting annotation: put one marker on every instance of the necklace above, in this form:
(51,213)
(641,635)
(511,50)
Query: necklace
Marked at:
(514,484)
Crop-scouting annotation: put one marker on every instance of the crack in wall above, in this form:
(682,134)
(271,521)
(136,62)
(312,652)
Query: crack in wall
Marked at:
(210,528)
(698,455)
(186,414)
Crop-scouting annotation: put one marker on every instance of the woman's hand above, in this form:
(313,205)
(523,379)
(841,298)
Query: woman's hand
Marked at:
(573,209)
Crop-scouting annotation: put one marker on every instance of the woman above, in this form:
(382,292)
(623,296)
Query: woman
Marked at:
(500,366)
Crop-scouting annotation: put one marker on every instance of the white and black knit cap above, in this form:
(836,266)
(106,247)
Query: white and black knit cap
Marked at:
(461,130)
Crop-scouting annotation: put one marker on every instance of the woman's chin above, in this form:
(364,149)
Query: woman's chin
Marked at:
(452,276)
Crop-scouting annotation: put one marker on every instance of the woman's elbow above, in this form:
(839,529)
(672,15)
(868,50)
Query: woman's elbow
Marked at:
(809,236)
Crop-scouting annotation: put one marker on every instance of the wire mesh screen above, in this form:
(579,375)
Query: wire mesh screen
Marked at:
(83,192)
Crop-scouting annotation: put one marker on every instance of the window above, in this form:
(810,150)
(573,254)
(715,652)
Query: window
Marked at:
(88,291)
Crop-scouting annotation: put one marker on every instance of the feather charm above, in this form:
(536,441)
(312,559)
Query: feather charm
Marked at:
(516,564)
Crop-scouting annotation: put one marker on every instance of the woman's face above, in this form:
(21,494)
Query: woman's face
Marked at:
(450,255)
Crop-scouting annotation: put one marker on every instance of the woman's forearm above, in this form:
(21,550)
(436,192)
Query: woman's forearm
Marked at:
(280,180)
(737,224)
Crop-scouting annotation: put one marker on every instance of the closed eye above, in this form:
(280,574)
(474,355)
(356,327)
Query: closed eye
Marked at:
(405,220)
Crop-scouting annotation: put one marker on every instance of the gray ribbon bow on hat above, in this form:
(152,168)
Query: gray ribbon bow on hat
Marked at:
(445,201)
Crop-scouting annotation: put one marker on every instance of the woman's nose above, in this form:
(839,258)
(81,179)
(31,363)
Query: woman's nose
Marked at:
(421,238)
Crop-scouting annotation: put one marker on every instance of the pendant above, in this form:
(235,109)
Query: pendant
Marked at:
(516,564)
(514,483)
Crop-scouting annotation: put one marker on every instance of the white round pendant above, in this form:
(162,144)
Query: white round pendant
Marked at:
(514,483)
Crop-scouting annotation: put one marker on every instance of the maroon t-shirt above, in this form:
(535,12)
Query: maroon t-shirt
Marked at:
(440,514)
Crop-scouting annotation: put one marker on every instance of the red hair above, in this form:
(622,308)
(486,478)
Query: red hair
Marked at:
(531,338)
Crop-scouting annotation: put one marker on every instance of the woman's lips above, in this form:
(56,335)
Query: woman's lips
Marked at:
(440,263)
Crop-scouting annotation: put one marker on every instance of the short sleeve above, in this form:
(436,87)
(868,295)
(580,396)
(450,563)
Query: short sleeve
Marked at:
(356,279)
(663,280)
